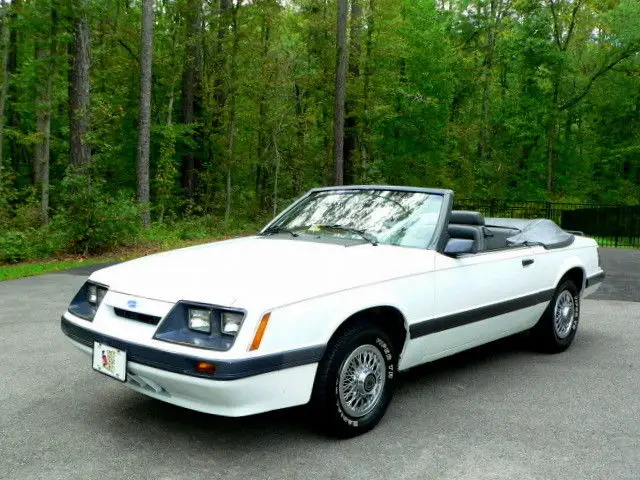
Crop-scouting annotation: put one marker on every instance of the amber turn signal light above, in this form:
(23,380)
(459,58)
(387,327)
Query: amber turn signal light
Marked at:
(260,332)
(205,367)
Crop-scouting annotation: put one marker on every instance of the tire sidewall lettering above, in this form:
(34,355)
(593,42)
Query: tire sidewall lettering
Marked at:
(349,421)
(388,355)
(576,313)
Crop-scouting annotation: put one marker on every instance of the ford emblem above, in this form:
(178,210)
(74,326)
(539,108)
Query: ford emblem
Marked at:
(132,303)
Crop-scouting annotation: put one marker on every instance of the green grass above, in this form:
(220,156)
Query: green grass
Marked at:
(158,239)
(21,270)
(610,242)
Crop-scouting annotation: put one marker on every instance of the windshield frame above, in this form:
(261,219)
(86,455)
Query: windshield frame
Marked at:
(439,238)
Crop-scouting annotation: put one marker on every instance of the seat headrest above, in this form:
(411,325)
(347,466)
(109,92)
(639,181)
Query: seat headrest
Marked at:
(466,217)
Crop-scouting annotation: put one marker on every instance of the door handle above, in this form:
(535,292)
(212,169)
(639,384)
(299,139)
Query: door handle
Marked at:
(527,261)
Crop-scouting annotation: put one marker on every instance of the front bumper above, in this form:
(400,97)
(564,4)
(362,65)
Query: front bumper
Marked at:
(237,387)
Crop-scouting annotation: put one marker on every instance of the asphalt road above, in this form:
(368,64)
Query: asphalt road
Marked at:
(497,412)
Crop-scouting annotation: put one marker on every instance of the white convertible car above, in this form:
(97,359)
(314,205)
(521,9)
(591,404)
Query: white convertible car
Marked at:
(346,287)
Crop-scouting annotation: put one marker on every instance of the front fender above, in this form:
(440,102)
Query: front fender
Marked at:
(313,322)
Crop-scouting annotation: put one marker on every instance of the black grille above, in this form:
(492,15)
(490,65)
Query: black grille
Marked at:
(139,317)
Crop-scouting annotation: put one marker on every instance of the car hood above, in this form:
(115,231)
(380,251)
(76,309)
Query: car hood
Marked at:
(266,271)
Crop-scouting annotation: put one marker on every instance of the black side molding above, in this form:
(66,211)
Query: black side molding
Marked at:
(440,324)
(185,364)
(594,279)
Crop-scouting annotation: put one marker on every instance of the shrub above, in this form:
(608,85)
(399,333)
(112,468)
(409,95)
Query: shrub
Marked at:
(13,246)
(28,244)
(91,220)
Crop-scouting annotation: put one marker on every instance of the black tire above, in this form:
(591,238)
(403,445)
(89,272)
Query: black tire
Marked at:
(330,416)
(547,335)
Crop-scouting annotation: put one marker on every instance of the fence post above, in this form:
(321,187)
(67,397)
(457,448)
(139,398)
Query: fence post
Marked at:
(549,210)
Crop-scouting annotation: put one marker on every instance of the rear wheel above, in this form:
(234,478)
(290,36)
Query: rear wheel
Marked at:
(354,383)
(557,327)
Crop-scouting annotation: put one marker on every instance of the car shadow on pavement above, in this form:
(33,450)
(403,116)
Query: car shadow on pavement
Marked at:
(241,432)
(158,416)
(496,351)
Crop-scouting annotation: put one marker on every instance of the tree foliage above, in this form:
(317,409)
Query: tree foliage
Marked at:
(520,99)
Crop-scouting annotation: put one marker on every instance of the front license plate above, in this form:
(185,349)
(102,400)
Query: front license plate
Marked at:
(110,361)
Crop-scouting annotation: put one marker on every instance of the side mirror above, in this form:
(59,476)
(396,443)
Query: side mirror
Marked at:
(458,246)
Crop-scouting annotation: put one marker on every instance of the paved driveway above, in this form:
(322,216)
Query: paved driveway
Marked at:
(623,275)
(497,412)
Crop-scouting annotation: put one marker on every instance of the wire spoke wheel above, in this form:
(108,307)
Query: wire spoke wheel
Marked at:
(563,314)
(361,381)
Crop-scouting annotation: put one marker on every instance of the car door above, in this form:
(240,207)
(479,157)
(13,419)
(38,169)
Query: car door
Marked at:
(479,298)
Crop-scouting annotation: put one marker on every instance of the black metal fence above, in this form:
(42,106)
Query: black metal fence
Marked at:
(610,225)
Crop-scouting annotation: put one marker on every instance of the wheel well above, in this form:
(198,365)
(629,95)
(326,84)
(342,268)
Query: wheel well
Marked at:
(388,319)
(576,275)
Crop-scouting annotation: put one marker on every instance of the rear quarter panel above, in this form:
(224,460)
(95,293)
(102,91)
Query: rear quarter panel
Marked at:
(582,253)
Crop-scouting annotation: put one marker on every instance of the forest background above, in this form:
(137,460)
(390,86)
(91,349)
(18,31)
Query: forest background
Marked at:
(154,123)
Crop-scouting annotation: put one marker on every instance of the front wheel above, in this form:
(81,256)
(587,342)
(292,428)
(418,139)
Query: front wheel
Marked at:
(354,383)
(557,327)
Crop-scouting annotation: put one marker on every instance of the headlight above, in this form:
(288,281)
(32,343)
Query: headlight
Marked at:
(200,320)
(95,294)
(201,325)
(86,302)
(231,322)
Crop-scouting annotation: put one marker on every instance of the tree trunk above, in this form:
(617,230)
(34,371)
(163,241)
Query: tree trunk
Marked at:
(17,152)
(146,53)
(552,134)
(352,121)
(43,121)
(340,87)
(485,126)
(232,104)
(44,118)
(262,173)
(43,114)
(5,75)
(277,174)
(227,208)
(170,105)
(220,93)
(190,78)
(216,97)
(301,137)
(79,87)
(368,71)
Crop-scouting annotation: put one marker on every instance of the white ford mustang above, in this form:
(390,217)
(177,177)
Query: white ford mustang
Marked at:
(339,292)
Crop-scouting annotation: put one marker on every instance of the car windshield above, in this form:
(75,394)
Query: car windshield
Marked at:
(392,217)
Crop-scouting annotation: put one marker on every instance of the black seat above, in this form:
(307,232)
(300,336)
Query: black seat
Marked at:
(468,225)
(468,232)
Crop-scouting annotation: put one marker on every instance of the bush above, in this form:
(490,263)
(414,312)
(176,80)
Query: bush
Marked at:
(92,221)
(28,244)
(13,246)
(89,219)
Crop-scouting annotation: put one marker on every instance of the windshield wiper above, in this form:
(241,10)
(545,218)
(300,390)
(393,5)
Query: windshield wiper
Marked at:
(277,229)
(361,233)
